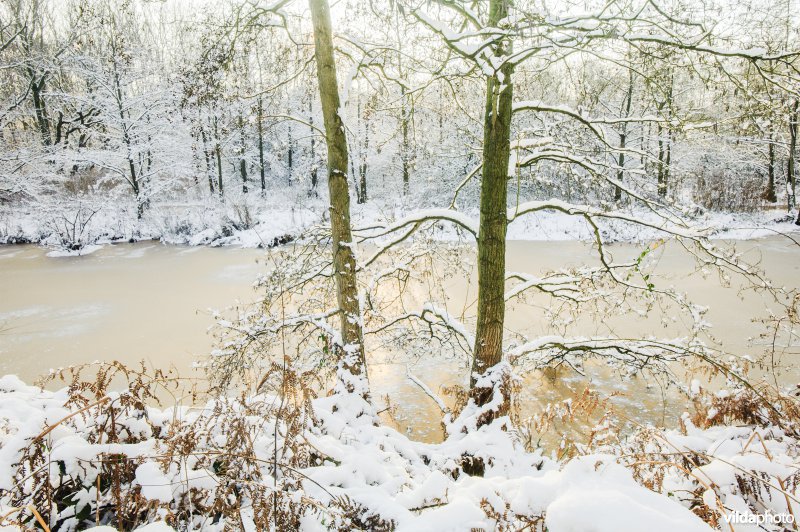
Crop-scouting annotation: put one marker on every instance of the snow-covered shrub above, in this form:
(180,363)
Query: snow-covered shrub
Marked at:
(279,459)
(739,190)
(724,176)
(88,455)
(239,215)
(71,227)
(738,453)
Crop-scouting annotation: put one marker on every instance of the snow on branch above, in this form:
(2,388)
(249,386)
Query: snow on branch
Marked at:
(590,212)
(433,315)
(634,354)
(411,224)
(427,390)
(558,285)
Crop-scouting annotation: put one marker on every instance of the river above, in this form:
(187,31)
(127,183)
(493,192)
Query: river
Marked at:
(148,301)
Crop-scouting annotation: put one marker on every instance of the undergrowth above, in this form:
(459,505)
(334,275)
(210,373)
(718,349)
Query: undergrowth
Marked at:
(243,462)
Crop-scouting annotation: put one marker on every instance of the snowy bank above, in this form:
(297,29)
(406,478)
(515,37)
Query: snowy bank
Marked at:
(268,222)
(339,468)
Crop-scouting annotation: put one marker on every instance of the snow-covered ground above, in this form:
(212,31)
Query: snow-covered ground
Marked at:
(268,222)
(342,469)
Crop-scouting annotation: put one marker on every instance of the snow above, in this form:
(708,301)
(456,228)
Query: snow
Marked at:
(152,527)
(595,493)
(277,223)
(155,485)
(413,484)
(86,250)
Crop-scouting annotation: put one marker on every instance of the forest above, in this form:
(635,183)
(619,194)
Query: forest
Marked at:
(399,265)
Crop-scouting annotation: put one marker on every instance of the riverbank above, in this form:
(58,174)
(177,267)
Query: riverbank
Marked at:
(298,462)
(265,223)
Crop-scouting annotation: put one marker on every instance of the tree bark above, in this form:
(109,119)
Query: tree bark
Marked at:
(290,153)
(493,217)
(362,169)
(406,148)
(665,146)
(344,263)
(218,153)
(206,153)
(126,139)
(361,180)
(623,136)
(770,194)
(39,108)
(261,167)
(313,133)
(791,161)
(242,161)
(662,182)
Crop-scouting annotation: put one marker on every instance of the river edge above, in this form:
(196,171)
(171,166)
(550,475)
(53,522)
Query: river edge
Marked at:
(276,225)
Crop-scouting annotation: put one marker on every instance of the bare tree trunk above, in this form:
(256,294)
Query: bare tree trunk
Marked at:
(344,263)
(665,146)
(623,136)
(362,169)
(290,153)
(406,148)
(261,168)
(662,182)
(667,159)
(441,114)
(355,180)
(360,181)
(770,194)
(195,156)
(493,219)
(39,108)
(242,161)
(126,139)
(218,152)
(313,133)
(206,152)
(791,162)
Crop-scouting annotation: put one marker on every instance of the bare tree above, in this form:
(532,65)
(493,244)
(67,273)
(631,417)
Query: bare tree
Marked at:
(344,263)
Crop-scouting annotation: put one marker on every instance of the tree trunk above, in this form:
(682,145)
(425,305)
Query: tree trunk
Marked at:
(290,153)
(662,182)
(362,170)
(355,180)
(261,168)
(770,194)
(360,180)
(344,263)
(623,136)
(242,161)
(404,156)
(313,133)
(209,170)
(791,162)
(39,108)
(218,153)
(441,114)
(493,218)
(126,139)
(667,159)
(665,146)
(195,156)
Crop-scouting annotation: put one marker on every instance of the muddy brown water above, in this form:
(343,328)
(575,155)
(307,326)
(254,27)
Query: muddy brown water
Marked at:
(148,301)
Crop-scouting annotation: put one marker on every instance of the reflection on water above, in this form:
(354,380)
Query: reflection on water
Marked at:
(150,301)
